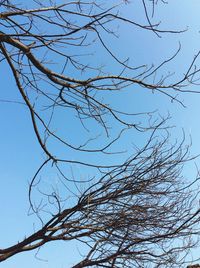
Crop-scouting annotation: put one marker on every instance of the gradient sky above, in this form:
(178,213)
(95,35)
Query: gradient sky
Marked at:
(20,154)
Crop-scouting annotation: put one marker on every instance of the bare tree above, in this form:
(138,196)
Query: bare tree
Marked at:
(138,212)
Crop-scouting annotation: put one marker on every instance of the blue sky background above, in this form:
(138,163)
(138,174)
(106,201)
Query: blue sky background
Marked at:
(20,153)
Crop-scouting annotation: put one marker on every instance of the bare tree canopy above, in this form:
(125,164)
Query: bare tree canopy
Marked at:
(131,207)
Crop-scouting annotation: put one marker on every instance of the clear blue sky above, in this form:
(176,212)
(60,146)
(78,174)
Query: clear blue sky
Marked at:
(20,154)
